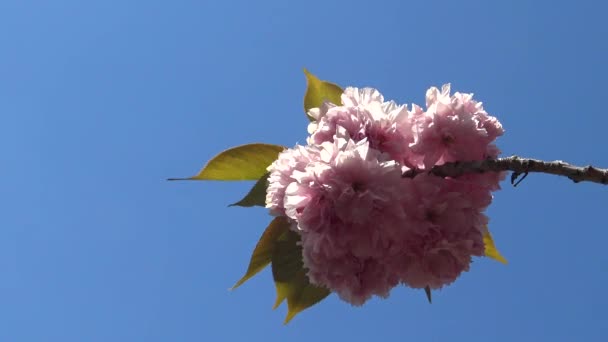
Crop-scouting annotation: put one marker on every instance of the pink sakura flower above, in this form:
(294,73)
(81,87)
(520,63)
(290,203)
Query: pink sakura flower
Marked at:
(347,208)
(453,128)
(364,228)
(445,229)
(281,172)
(365,115)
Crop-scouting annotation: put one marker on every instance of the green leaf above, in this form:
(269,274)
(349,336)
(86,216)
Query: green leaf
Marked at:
(245,162)
(290,277)
(318,91)
(262,254)
(257,194)
(490,249)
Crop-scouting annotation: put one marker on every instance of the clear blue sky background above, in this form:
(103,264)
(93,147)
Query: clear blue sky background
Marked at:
(101,101)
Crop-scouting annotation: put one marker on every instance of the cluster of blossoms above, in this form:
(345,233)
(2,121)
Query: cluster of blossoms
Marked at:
(364,227)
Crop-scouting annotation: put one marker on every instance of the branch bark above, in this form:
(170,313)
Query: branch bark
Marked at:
(519,166)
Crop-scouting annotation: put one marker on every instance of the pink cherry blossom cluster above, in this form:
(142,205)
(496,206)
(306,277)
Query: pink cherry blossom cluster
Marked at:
(364,227)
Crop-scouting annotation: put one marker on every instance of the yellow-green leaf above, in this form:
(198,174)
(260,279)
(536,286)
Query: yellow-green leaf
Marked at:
(245,162)
(283,291)
(262,254)
(318,91)
(303,295)
(290,277)
(257,194)
(490,249)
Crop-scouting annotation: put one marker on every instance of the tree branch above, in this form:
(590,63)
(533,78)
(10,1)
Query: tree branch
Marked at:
(519,166)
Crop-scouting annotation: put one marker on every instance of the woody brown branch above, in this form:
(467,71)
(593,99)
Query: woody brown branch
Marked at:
(519,166)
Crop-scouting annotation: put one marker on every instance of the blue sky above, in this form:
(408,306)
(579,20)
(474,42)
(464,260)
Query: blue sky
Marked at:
(101,101)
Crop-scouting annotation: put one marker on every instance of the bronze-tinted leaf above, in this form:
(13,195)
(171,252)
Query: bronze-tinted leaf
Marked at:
(257,194)
(264,250)
(287,257)
(290,277)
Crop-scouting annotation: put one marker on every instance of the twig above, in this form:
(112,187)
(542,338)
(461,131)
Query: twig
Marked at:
(519,166)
